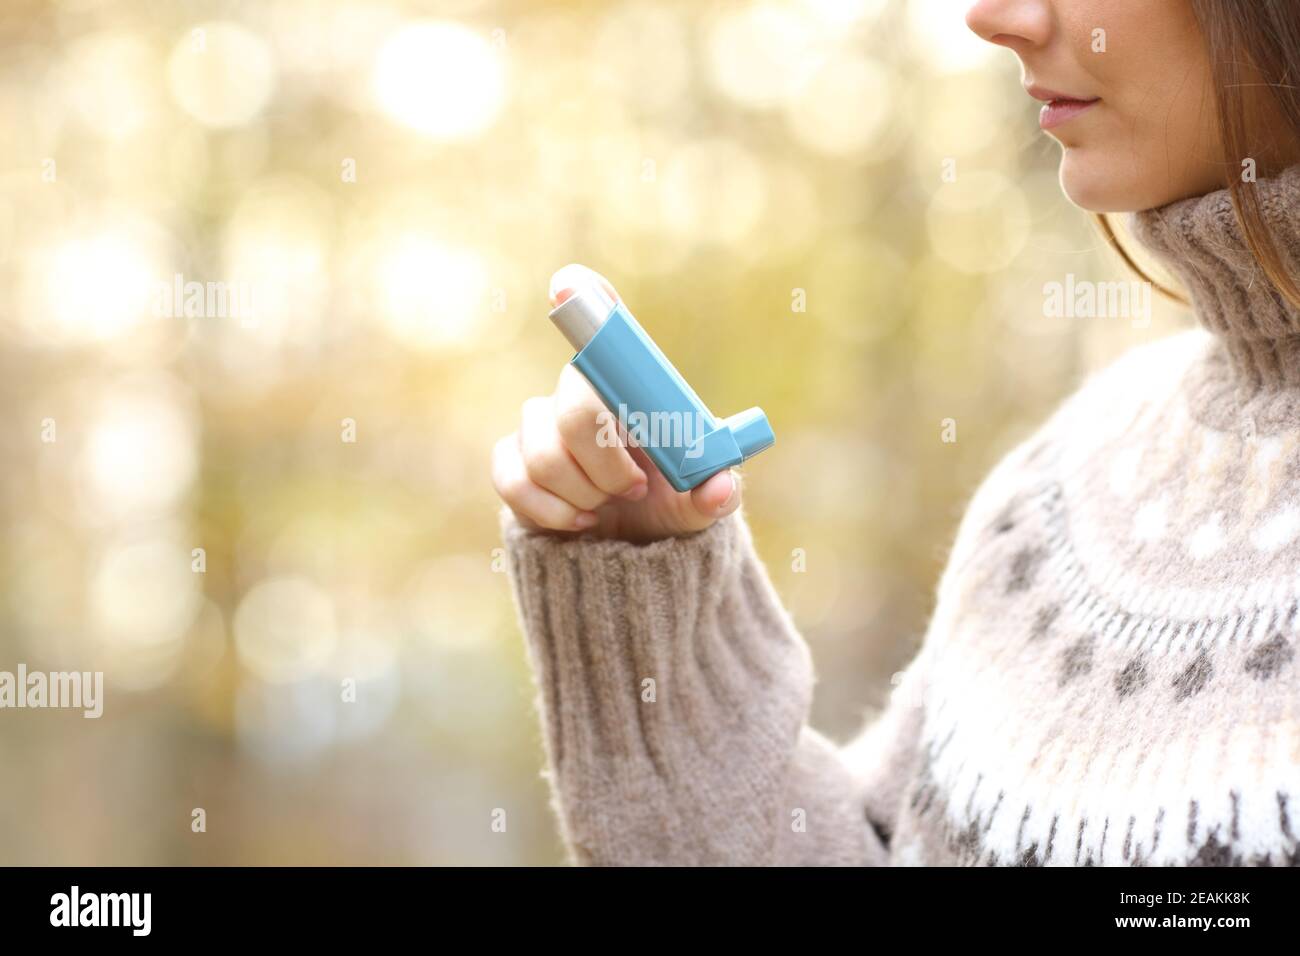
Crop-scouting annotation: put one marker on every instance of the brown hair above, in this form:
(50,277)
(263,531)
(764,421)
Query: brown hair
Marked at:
(1251,44)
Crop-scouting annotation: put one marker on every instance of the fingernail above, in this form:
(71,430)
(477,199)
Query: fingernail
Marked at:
(731,497)
(636,492)
(585,519)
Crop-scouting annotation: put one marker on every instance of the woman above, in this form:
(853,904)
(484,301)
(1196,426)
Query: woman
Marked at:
(1110,675)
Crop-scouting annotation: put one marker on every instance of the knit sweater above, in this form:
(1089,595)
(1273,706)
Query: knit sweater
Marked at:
(1109,675)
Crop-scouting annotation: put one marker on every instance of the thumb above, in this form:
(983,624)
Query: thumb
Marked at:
(717,497)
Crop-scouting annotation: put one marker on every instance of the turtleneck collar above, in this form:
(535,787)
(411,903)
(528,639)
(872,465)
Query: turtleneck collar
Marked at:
(1200,241)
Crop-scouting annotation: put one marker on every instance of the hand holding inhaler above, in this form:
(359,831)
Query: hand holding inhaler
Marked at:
(623,448)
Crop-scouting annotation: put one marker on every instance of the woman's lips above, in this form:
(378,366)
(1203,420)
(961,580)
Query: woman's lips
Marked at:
(1062,111)
(1060,107)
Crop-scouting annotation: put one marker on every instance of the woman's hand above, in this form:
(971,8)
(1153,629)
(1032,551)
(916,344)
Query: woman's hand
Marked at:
(560,472)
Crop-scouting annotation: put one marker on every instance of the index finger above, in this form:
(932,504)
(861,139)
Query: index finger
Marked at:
(569,278)
(593,437)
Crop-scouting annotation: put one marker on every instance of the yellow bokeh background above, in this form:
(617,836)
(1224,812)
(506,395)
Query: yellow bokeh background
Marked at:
(840,210)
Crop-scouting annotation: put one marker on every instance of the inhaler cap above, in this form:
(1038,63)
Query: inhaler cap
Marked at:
(584,305)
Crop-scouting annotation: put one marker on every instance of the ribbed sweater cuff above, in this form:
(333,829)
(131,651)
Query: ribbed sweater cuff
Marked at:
(673,688)
(696,615)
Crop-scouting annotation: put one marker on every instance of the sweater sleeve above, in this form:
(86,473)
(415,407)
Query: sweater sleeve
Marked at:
(674,693)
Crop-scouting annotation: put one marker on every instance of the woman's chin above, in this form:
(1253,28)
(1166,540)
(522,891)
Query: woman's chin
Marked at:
(1095,185)
(1094,180)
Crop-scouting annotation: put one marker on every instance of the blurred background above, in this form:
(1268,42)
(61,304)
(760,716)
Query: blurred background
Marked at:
(274,281)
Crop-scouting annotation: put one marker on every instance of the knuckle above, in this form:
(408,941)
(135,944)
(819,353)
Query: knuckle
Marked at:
(545,466)
(511,488)
(592,500)
(608,434)
(501,464)
(533,407)
(616,480)
(626,482)
(502,447)
(575,421)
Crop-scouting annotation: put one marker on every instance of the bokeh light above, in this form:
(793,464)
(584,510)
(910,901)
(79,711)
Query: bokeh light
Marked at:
(760,53)
(845,106)
(285,629)
(140,454)
(111,79)
(276,255)
(979,223)
(221,73)
(713,191)
(144,596)
(92,284)
(939,31)
(433,295)
(440,78)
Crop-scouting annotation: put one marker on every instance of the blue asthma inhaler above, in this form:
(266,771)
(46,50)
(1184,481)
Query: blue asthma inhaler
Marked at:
(653,404)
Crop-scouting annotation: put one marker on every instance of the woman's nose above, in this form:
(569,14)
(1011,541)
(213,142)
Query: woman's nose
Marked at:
(1018,24)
